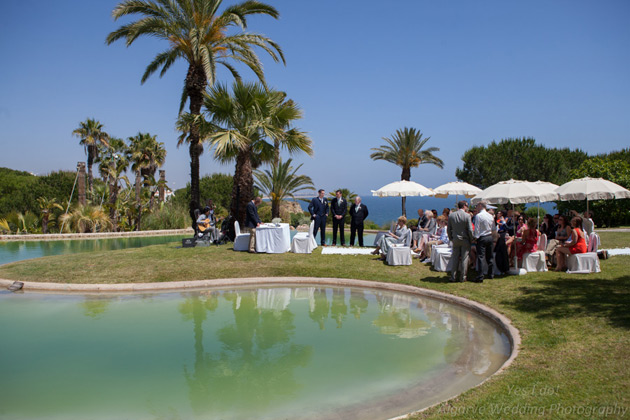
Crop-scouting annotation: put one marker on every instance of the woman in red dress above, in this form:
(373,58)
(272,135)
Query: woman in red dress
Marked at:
(576,244)
(529,242)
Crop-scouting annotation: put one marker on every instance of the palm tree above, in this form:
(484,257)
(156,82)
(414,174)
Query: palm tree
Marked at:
(281,182)
(46,205)
(92,135)
(405,150)
(83,219)
(244,127)
(113,165)
(197,33)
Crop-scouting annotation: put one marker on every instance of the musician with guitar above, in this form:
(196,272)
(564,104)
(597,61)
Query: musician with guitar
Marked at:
(206,223)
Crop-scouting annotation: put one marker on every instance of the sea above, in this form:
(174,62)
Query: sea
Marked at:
(383,210)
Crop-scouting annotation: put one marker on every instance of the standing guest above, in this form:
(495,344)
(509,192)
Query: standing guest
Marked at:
(446,212)
(252,221)
(485,228)
(338,208)
(358,213)
(460,233)
(318,208)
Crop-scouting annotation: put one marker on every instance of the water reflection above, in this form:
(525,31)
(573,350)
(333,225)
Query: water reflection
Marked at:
(254,365)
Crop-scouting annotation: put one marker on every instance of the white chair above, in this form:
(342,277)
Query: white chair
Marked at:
(241,240)
(304,243)
(535,261)
(400,254)
(587,262)
(441,257)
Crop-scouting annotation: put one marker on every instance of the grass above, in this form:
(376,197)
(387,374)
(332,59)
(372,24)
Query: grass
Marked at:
(575,353)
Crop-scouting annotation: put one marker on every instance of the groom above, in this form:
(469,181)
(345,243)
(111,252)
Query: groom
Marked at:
(318,207)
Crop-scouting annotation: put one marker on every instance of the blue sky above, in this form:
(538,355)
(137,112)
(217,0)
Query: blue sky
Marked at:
(464,73)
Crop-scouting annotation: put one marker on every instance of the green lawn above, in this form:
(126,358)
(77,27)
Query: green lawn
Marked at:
(575,354)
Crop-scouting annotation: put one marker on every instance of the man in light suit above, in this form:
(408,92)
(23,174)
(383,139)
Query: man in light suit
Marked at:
(338,208)
(318,207)
(252,221)
(461,234)
(358,213)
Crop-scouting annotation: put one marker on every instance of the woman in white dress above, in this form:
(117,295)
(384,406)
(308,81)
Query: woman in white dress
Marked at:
(402,235)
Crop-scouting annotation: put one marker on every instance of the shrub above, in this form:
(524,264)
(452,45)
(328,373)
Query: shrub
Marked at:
(167,216)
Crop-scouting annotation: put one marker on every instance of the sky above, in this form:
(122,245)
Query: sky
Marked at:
(462,72)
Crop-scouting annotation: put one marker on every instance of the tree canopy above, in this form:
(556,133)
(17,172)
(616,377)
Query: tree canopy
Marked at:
(521,159)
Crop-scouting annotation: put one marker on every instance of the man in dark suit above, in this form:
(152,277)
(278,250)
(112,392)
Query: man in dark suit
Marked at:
(338,208)
(358,213)
(461,234)
(252,221)
(318,207)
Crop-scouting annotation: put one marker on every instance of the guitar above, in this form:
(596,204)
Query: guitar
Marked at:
(205,225)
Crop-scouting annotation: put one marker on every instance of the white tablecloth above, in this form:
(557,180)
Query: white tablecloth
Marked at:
(273,239)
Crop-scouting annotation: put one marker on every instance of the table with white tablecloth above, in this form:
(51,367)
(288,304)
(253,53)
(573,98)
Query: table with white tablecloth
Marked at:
(273,239)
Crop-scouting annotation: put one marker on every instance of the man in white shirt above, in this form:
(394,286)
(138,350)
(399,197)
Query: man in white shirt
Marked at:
(483,233)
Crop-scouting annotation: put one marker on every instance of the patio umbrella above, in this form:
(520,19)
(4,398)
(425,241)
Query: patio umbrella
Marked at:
(591,189)
(456,188)
(403,189)
(516,192)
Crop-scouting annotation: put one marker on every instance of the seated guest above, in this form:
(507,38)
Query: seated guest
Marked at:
(501,223)
(561,234)
(587,222)
(427,241)
(576,244)
(401,236)
(446,212)
(548,227)
(428,226)
(529,239)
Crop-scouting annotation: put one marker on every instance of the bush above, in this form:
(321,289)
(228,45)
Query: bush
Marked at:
(412,223)
(298,219)
(368,224)
(168,215)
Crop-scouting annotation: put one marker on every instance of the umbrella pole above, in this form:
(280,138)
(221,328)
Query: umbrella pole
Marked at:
(404,210)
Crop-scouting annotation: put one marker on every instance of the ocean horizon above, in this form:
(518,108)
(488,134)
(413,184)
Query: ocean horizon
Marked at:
(383,210)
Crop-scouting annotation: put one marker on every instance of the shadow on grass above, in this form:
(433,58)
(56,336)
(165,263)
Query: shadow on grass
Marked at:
(565,298)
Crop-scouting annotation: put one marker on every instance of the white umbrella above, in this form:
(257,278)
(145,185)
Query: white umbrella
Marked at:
(402,189)
(456,188)
(516,192)
(591,189)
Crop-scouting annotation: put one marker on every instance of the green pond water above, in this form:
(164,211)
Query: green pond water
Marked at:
(244,353)
(11,251)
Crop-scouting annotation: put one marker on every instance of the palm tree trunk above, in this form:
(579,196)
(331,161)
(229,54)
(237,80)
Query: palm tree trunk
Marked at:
(138,199)
(243,189)
(113,195)
(196,82)
(90,161)
(275,204)
(405,176)
(45,222)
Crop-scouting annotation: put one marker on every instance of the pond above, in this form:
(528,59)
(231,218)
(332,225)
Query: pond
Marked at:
(11,251)
(298,352)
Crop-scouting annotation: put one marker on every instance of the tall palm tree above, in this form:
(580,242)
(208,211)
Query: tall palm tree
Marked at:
(198,33)
(114,163)
(146,155)
(92,136)
(281,182)
(405,149)
(244,127)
